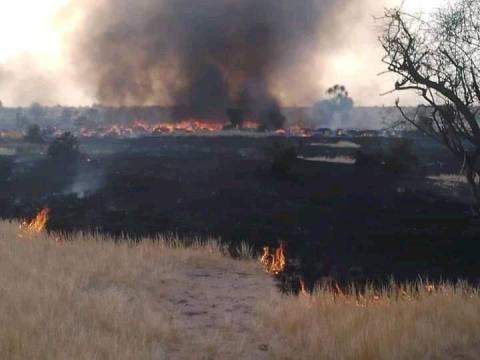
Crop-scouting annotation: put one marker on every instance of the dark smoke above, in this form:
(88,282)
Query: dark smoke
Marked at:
(201,55)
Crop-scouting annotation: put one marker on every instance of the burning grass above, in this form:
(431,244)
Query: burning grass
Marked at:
(92,298)
(274,262)
(36,225)
(184,127)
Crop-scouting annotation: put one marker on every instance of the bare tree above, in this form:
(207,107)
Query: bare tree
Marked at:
(439,57)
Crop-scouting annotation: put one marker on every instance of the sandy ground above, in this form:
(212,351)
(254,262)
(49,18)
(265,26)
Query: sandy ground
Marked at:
(214,310)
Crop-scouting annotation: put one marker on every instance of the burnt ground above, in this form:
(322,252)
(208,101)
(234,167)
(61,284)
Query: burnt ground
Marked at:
(340,221)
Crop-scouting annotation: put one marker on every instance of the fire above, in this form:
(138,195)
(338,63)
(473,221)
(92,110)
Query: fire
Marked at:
(250,125)
(186,126)
(141,127)
(36,225)
(297,130)
(274,262)
(294,130)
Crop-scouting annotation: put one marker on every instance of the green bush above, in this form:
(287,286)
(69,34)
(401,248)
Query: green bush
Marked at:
(34,135)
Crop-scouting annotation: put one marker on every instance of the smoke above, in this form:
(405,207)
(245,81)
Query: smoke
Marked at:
(203,55)
(89,177)
(160,52)
(86,183)
(22,83)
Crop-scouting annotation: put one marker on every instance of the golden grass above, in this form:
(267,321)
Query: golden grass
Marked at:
(415,322)
(90,298)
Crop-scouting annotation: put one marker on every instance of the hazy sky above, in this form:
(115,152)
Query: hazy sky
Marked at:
(36,62)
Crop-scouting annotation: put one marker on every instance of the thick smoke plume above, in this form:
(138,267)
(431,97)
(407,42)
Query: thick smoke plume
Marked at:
(202,56)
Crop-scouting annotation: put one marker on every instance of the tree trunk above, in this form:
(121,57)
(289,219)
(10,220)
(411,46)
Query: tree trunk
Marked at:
(472,178)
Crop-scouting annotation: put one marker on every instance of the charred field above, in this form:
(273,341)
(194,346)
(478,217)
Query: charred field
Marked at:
(341,222)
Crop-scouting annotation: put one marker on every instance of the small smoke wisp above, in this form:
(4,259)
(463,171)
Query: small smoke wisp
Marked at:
(87,181)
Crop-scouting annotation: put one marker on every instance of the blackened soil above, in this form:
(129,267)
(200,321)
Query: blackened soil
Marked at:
(341,222)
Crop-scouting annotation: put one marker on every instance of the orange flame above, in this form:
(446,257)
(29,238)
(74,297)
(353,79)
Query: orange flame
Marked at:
(36,225)
(142,127)
(274,262)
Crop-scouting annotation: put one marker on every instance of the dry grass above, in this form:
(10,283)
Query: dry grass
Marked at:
(4,151)
(88,299)
(408,323)
(327,159)
(449,180)
(342,144)
(91,299)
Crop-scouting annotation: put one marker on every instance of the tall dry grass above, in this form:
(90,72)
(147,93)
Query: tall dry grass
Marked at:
(89,298)
(417,321)
(94,299)
(449,178)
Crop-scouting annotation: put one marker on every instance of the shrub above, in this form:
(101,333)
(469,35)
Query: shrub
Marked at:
(34,135)
(397,158)
(363,159)
(400,157)
(236,117)
(282,155)
(64,147)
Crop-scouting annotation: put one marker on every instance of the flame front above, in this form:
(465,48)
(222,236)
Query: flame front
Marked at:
(274,262)
(141,127)
(37,225)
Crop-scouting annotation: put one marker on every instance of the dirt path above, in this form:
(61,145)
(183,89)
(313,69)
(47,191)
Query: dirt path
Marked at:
(214,311)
